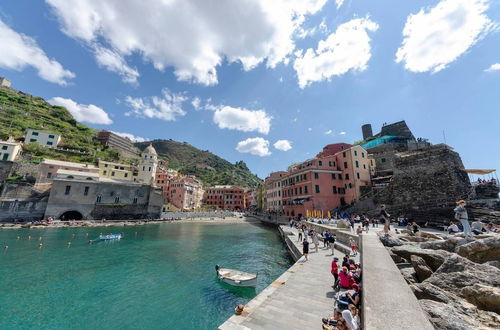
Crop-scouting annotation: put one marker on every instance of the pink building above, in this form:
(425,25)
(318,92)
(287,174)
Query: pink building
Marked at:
(185,192)
(48,169)
(274,199)
(333,179)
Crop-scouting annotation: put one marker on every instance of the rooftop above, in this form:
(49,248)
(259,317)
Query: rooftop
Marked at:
(68,164)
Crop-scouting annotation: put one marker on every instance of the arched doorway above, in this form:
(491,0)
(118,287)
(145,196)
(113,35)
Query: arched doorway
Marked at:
(71,215)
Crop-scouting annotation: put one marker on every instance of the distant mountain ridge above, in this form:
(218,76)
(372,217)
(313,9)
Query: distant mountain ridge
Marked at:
(209,168)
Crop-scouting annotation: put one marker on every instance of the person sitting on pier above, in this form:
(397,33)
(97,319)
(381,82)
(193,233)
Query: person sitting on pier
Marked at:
(355,298)
(355,313)
(350,322)
(345,279)
(477,227)
(453,228)
(345,261)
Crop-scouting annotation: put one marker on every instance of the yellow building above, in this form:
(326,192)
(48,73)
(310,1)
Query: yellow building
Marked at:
(115,171)
(9,150)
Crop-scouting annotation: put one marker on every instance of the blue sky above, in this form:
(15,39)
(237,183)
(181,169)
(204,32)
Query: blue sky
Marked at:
(236,77)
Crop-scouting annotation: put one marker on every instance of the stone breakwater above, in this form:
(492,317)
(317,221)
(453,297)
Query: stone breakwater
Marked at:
(457,281)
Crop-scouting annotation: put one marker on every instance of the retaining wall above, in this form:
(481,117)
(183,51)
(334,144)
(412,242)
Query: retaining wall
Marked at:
(388,302)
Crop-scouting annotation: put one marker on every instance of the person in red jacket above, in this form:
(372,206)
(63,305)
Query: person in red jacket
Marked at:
(335,269)
(345,279)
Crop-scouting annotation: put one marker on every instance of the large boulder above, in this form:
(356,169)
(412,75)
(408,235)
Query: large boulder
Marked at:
(484,297)
(433,258)
(448,244)
(408,272)
(481,250)
(494,263)
(430,235)
(390,241)
(459,315)
(423,271)
(458,272)
(431,292)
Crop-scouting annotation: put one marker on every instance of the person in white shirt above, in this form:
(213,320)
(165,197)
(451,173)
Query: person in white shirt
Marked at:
(453,228)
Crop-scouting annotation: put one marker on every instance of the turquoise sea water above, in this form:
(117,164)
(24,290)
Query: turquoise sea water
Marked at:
(156,277)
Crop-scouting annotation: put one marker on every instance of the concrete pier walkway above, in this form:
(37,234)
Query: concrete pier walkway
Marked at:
(298,299)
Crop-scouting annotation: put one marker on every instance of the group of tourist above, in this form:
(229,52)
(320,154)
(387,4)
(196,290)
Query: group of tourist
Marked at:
(491,181)
(347,280)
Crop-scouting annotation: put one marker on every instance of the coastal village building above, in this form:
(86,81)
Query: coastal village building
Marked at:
(116,171)
(45,139)
(225,197)
(4,82)
(121,144)
(333,178)
(274,200)
(49,167)
(147,166)
(79,195)
(9,150)
(185,192)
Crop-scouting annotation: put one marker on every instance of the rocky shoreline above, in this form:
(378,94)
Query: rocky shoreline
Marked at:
(95,223)
(456,280)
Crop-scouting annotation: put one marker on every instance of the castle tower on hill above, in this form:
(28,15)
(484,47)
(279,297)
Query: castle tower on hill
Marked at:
(147,165)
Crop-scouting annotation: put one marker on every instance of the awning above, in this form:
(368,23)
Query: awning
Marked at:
(480,172)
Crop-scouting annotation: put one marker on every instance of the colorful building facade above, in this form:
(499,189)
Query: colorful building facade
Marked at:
(226,197)
(320,185)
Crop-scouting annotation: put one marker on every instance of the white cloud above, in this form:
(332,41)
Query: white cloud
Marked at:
(493,67)
(167,107)
(310,129)
(255,146)
(283,145)
(18,51)
(342,133)
(328,132)
(339,3)
(196,103)
(348,48)
(437,37)
(192,36)
(114,62)
(242,119)
(83,112)
(131,137)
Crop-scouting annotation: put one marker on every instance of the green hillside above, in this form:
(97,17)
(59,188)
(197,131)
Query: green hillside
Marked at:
(20,111)
(210,168)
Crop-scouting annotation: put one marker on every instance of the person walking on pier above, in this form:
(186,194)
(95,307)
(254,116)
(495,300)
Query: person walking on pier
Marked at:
(385,217)
(335,270)
(461,215)
(315,240)
(305,248)
(300,234)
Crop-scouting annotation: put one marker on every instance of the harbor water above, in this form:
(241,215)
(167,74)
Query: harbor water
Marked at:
(155,277)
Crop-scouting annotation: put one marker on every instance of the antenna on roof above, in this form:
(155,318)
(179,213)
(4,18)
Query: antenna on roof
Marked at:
(444,137)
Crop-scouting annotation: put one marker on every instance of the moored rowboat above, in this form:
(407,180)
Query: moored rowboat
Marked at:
(235,277)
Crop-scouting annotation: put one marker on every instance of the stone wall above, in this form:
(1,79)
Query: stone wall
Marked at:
(425,186)
(24,210)
(5,170)
(120,212)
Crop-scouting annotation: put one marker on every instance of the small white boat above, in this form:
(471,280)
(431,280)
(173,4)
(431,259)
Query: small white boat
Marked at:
(235,277)
(110,237)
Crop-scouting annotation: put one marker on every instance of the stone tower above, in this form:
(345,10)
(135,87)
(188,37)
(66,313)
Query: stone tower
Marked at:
(148,165)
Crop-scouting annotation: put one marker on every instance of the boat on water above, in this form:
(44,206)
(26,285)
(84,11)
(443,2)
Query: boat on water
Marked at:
(235,277)
(110,237)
